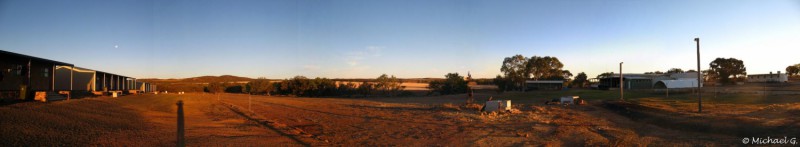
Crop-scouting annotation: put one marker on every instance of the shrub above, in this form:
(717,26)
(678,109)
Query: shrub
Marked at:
(453,84)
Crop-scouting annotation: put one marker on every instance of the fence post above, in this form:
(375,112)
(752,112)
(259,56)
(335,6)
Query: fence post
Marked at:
(180,141)
(249,103)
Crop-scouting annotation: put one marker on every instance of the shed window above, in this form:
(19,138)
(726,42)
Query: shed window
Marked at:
(46,72)
(19,70)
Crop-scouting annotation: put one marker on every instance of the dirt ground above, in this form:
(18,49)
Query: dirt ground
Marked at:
(346,122)
(243,120)
(140,120)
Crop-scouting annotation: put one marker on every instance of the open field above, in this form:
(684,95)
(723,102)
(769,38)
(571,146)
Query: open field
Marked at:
(645,119)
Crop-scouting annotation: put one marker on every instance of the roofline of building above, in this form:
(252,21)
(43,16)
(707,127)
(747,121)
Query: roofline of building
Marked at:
(35,58)
(767,74)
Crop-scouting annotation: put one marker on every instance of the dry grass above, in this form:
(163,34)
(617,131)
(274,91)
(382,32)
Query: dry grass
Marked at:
(449,106)
(75,123)
(141,120)
(415,86)
(740,119)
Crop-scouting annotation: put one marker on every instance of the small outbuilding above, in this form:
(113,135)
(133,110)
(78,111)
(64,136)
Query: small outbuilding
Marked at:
(776,78)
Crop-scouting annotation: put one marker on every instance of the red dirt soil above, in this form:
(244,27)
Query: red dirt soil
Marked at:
(149,120)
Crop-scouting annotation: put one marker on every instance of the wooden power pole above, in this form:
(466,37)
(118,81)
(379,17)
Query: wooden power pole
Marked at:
(699,79)
(621,83)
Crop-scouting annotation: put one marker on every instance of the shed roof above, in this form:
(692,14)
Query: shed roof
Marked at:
(684,83)
(767,74)
(33,58)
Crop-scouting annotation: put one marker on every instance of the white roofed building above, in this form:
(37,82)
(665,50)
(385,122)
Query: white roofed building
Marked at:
(779,77)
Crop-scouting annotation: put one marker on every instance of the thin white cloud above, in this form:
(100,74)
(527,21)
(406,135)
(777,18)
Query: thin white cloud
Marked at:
(311,67)
(374,51)
(355,58)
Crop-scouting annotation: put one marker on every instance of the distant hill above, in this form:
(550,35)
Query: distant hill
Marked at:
(201,79)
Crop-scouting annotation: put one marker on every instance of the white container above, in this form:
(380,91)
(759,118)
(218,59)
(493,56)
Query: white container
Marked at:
(113,94)
(569,99)
(497,105)
(505,104)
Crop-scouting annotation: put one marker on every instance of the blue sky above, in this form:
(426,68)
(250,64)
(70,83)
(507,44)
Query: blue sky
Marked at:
(409,39)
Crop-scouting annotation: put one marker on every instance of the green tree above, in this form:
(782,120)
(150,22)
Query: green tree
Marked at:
(366,88)
(389,86)
(566,75)
(347,88)
(230,87)
(298,85)
(793,69)
(580,80)
(283,87)
(453,84)
(710,76)
(260,86)
(545,68)
(502,83)
(675,70)
(727,68)
(515,69)
(324,87)
(215,87)
(605,75)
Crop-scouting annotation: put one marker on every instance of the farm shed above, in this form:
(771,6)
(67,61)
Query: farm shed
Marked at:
(544,84)
(102,82)
(113,82)
(632,81)
(74,78)
(130,84)
(676,84)
(768,77)
(109,81)
(144,87)
(20,71)
(22,76)
(643,81)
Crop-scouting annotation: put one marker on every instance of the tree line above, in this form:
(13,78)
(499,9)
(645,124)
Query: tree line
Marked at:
(726,71)
(723,70)
(452,84)
(384,85)
(517,69)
